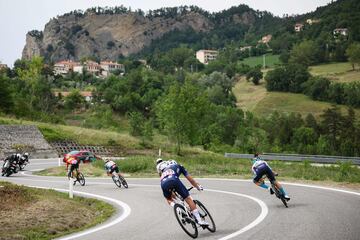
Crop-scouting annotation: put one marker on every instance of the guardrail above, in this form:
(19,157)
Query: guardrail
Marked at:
(298,157)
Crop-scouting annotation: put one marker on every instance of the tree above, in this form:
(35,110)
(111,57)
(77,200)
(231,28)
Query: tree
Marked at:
(317,88)
(332,123)
(181,113)
(74,100)
(304,53)
(255,75)
(6,100)
(353,54)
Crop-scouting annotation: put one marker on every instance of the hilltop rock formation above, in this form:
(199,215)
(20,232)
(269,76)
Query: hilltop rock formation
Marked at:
(106,36)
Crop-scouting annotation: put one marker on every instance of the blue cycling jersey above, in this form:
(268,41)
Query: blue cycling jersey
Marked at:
(174,170)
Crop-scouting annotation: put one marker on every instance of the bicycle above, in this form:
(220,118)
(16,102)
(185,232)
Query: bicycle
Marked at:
(278,193)
(186,219)
(118,180)
(79,177)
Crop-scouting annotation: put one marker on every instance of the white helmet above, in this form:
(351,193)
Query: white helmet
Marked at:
(18,155)
(161,166)
(26,154)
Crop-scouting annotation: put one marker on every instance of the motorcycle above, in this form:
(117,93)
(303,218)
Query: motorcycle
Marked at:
(9,168)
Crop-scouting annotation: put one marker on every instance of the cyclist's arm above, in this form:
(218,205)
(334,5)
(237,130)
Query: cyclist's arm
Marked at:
(192,181)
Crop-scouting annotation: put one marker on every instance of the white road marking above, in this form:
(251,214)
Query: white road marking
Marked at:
(123,216)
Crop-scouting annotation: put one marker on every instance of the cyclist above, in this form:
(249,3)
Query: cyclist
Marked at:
(169,172)
(261,168)
(74,165)
(110,167)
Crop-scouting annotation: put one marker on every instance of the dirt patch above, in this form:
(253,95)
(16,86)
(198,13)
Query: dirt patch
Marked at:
(46,214)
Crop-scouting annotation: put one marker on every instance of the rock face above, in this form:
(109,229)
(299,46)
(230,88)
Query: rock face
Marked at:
(106,36)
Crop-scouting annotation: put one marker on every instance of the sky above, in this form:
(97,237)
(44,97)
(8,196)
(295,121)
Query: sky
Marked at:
(17,17)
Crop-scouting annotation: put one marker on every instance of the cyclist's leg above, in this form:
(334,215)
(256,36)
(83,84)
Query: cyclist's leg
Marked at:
(259,181)
(272,179)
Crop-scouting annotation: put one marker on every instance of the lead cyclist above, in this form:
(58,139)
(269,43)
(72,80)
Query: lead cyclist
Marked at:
(169,172)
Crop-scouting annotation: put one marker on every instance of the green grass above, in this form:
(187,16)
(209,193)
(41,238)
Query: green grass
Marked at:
(37,214)
(263,103)
(339,72)
(270,60)
(55,132)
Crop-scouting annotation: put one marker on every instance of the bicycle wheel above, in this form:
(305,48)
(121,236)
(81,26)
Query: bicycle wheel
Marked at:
(123,181)
(116,181)
(279,195)
(81,179)
(204,214)
(187,224)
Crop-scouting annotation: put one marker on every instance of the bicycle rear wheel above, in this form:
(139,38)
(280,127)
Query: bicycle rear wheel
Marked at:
(187,224)
(116,180)
(123,181)
(81,179)
(204,214)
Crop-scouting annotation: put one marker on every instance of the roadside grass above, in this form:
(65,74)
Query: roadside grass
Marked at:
(216,165)
(339,72)
(30,213)
(270,60)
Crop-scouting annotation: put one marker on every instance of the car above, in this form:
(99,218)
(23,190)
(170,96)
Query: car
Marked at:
(82,155)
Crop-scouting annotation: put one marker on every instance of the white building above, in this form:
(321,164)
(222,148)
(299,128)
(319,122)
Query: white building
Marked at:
(205,56)
(299,27)
(64,67)
(108,67)
(340,31)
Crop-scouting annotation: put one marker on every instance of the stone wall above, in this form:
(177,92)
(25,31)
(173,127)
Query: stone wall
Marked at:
(26,138)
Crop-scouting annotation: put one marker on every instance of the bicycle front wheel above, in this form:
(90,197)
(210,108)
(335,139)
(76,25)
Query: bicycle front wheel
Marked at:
(81,179)
(116,181)
(123,181)
(204,214)
(187,224)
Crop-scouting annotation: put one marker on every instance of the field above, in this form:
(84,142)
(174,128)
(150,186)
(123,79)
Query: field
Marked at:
(26,221)
(270,60)
(339,72)
(257,99)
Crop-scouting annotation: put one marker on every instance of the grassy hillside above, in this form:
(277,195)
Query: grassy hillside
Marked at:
(257,99)
(340,72)
(270,60)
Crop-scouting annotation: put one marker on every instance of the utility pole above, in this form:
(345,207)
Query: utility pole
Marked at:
(264,61)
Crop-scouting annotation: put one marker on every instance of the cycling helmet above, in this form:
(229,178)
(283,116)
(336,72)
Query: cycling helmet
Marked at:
(159,160)
(161,166)
(26,154)
(18,155)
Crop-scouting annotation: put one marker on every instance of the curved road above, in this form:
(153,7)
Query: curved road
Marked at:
(240,209)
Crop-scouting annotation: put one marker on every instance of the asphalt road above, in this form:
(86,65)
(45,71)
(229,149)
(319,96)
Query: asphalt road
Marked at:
(240,209)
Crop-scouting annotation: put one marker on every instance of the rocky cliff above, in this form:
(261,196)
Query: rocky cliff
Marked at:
(108,35)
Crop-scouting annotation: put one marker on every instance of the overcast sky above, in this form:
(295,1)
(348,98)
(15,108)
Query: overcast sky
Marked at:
(17,17)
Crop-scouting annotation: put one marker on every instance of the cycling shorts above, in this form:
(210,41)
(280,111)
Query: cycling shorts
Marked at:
(114,168)
(262,170)
(74,166)
(173,183)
